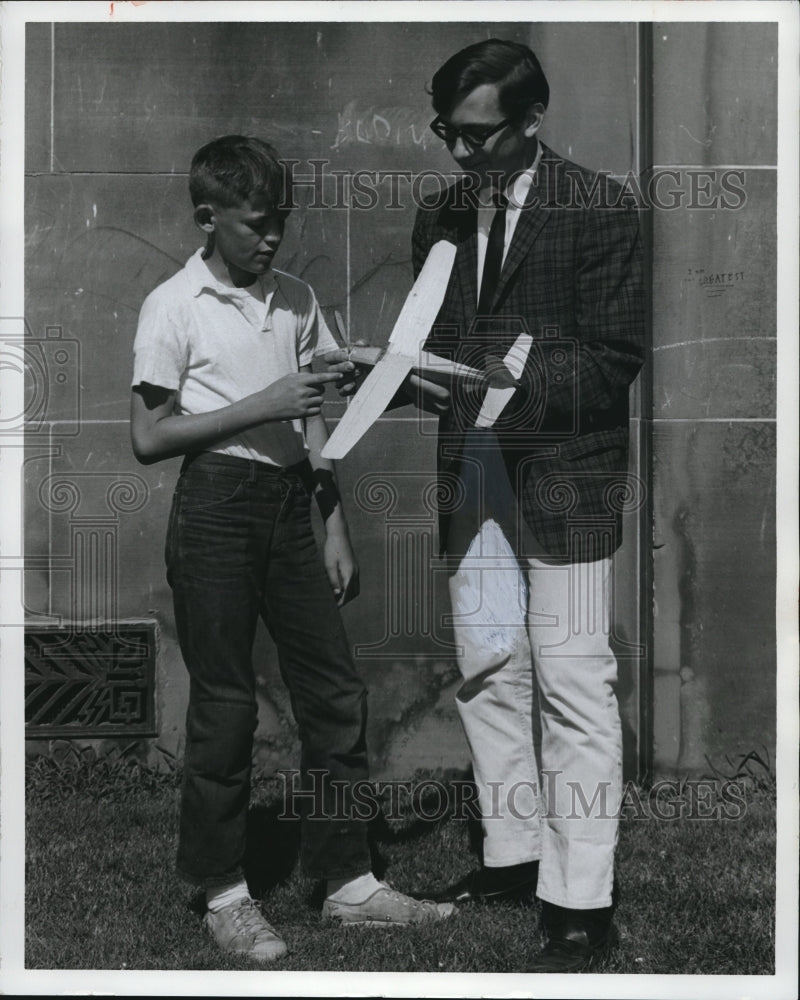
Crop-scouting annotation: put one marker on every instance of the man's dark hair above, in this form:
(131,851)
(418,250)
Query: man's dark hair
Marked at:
(229,170)
(511,65)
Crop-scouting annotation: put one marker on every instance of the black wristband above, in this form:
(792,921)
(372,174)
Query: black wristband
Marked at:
(326,492)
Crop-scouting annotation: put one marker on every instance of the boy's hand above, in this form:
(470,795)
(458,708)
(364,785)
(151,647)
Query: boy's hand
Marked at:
(349,377)
(338,361)
(297,395)
(341,567)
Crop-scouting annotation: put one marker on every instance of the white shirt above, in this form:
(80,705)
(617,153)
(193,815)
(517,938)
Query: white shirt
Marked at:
(517,193)
(215,344)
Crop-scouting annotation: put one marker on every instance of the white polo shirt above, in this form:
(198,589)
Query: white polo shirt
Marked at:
(215,344)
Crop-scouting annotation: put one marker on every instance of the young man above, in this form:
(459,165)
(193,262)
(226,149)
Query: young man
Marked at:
(531,545)
(222,375)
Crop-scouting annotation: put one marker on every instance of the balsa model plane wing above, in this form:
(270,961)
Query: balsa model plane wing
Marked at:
(409,333)
(403,354)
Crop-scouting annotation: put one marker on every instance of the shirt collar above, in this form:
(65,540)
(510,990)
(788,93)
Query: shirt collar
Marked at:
(518,188)
(204,277)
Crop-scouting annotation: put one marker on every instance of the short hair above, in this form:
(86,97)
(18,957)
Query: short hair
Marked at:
(230,170)
(511,65)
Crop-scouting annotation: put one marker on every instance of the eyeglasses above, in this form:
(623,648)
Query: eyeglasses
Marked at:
(469,136)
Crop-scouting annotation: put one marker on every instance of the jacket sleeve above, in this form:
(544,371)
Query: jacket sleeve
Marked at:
(425,233)
(420,245)
(420,240)
(609,305)
(592,376)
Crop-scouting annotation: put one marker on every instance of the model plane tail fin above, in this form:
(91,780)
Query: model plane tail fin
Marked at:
(497,399)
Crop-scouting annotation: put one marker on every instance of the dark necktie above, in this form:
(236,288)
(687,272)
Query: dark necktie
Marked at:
(493,262)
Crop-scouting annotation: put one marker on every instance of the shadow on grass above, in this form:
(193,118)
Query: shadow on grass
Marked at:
(273,847)
(272,850)
(427,812)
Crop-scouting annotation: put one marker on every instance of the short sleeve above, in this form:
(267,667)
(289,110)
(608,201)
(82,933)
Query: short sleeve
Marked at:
(159,349)
(315,337)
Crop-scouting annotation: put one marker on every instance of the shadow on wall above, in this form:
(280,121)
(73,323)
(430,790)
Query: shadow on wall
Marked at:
(629,679)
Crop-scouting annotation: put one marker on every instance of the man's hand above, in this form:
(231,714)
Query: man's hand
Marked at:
(341,567)
(432,397)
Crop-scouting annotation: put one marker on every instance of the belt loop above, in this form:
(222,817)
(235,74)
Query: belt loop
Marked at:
(252,471)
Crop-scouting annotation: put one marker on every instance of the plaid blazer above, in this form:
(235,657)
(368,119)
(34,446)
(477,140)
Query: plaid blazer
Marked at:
(572,278)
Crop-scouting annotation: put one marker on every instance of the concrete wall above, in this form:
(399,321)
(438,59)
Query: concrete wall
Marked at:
(114,113)
(714,342)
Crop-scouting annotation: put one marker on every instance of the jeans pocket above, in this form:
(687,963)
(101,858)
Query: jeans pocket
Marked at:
(200,490)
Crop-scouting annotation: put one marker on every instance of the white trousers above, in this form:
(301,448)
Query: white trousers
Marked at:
(540,715)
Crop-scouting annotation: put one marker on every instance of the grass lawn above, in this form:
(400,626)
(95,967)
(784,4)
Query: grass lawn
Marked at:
(697,895)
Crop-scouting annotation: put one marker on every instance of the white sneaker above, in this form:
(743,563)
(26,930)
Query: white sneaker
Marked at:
(242,930)
(386,907)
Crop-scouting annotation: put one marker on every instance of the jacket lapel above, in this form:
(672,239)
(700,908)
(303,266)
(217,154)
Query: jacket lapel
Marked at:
(460,222)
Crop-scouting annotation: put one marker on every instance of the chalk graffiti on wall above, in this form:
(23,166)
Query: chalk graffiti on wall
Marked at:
(390,126)
(714,283)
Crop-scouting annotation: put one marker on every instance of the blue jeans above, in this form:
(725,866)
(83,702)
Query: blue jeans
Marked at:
(240,545)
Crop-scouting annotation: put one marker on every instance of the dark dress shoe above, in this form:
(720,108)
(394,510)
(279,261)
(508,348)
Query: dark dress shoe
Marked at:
(515,883)
(576,939)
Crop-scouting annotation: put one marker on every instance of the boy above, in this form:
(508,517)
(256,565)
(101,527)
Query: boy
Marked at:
(222,375)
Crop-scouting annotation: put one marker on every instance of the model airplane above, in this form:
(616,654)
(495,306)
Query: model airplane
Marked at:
(403,355)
